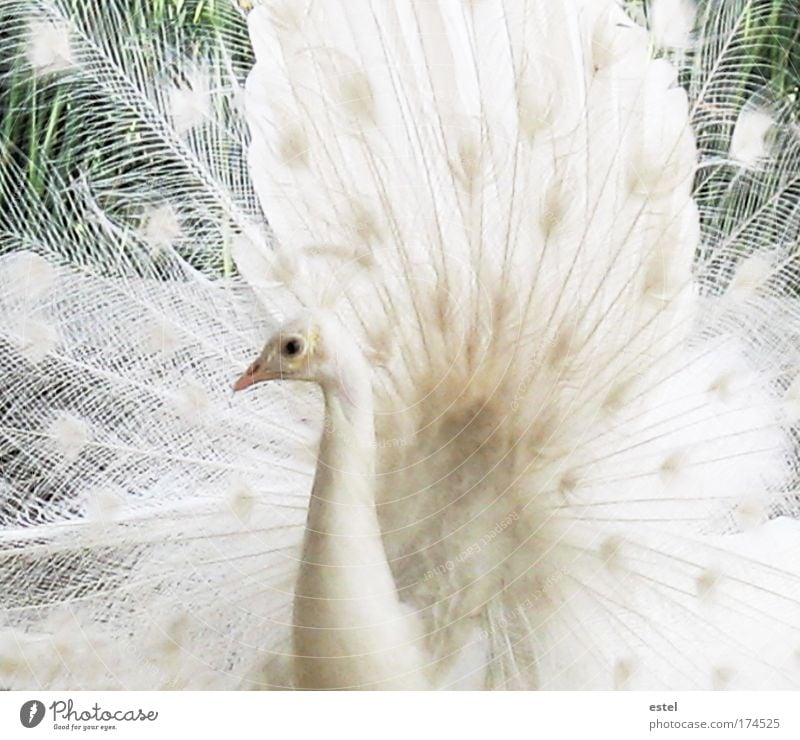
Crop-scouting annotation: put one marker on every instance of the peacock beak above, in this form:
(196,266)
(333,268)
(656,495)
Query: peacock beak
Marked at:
(256,373)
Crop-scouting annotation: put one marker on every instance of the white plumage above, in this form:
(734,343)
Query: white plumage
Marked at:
(554,328)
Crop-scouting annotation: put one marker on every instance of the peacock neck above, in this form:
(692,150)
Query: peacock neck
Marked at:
(346,460)
(350,630)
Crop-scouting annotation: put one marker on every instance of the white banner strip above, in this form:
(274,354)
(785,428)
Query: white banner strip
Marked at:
(399,716)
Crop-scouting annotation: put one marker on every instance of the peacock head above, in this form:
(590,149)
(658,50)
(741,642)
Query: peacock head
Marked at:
(314,347)
(294,352)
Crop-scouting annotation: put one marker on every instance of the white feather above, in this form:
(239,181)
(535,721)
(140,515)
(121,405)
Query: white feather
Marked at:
(190,102)
(161,228)
(35,338)
(672,22)
(749,142)
(49,47)
(27,278)
(70,435)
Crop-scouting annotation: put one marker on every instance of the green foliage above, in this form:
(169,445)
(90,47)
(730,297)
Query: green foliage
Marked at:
(44,142)
(151,43)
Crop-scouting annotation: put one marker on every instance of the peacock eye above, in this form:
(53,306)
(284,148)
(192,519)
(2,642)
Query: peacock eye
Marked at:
(292,347)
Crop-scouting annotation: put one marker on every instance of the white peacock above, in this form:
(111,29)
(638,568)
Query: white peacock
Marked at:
(543,305)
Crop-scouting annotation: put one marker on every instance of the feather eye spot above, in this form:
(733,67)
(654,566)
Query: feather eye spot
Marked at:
(673,466)
(561,349)
(242,501)
(190,102)
(49,48)
(554,206)
(610,552)
(624,670)
(536,110)
(660,281)
(69,435)
(35,338)
(175,635)
(752,274)
(540,98)
(192,402)
(104,506)
(568,482)
(722,386)
(293,146)
(721,677)
(364,223)
(617,396)
(161,228)
(750,514)
(751,137)
(357,96)
(706,584)
(27,277)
